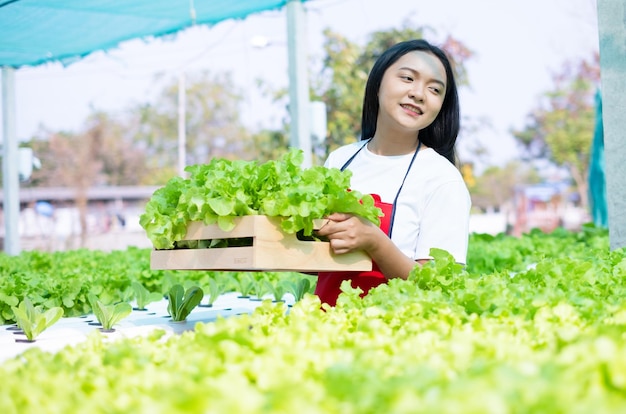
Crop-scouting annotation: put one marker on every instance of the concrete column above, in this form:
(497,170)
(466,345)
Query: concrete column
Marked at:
(612,34)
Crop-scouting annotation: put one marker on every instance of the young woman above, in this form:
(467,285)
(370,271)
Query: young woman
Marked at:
(406,160)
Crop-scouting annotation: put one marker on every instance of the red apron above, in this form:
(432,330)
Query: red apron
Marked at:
(329,283)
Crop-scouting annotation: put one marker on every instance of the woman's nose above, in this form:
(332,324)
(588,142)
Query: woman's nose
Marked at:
(417,92)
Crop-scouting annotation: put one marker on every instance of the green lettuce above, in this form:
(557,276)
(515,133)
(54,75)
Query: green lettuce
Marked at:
(223,189)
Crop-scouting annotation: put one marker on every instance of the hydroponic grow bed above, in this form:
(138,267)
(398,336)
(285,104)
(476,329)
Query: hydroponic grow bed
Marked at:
(73,330)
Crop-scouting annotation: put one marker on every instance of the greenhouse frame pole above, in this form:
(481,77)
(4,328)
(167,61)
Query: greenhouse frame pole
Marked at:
(10,178)
(612,35)
(300,131)
(182,125)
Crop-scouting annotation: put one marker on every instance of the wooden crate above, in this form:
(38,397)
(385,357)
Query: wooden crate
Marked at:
(271,250)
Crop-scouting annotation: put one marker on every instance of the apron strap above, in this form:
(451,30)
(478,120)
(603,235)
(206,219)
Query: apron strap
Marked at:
(345,165)
(395,200)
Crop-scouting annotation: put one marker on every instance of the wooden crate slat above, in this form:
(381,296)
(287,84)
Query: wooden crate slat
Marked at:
(272,250)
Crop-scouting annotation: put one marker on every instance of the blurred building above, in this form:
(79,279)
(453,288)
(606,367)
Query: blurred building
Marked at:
(545,206)
(49,218)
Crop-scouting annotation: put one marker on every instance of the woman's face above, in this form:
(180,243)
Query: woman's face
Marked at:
(411,92)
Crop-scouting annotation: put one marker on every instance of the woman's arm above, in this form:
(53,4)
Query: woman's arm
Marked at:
(347,232)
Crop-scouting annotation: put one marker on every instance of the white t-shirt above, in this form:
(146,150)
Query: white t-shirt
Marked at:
(433,207)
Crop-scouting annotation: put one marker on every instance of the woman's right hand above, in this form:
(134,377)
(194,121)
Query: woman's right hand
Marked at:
(348,232)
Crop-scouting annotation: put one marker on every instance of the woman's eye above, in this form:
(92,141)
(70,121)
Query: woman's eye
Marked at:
(407,78)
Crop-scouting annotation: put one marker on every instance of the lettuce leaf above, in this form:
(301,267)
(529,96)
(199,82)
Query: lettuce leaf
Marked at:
(223,189)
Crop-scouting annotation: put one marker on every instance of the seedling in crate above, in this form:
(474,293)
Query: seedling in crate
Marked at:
(181,302)
(109,315)
(143,296)
(32,321)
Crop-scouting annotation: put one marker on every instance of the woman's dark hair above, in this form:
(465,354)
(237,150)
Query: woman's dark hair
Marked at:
(442,133)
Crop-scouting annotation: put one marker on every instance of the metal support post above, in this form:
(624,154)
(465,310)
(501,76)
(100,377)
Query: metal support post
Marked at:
(300,135)
(10,159)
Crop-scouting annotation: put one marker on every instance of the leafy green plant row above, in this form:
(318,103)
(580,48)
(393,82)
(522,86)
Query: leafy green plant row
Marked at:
(542,337)
(180,304)
(32,320)
(65,280)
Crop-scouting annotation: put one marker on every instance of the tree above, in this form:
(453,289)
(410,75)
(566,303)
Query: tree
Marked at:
(104,140)
(341,83)
(496,185)
(269,145)
(341,78)
(123,163)
(99,155)
(73,160)
(346,68)
(561,129)
(139,147)
(213,127)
